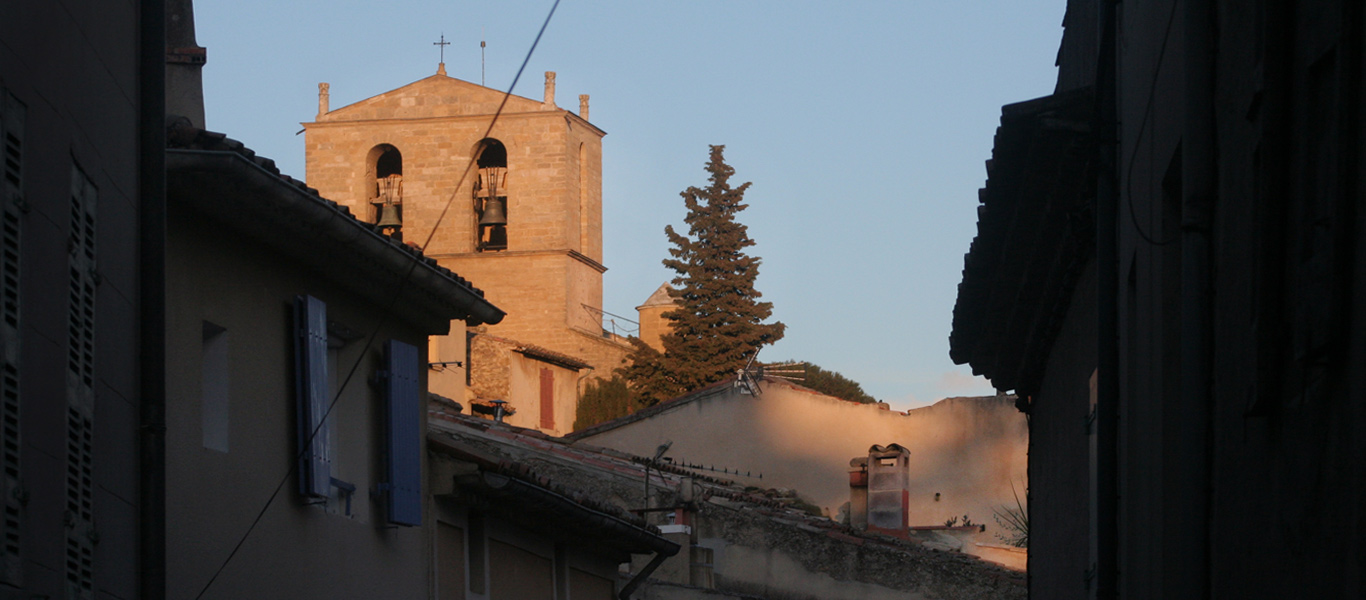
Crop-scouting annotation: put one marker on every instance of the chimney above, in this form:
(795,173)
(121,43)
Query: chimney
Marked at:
(323,100)
(184,63)
(549,103)
(889,475)
(583,106)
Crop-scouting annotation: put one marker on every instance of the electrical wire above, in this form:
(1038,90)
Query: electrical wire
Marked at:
(398,291)
(1142,126)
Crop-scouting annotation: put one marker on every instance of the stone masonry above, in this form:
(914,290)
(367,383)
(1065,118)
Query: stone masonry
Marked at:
(549,276)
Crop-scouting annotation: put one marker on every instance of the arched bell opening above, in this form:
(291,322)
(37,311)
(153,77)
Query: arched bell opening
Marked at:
(490,195)
(386,169)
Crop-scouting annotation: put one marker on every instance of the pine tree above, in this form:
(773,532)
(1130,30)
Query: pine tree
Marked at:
(718,324)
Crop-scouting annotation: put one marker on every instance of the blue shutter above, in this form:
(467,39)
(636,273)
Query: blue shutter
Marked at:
(311,394)
(403,396)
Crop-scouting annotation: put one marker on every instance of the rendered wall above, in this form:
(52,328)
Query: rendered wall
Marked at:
(297,550)
(968,450)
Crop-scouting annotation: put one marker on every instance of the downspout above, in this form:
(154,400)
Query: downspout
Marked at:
(1106,534)
(1199,172)
(152,300)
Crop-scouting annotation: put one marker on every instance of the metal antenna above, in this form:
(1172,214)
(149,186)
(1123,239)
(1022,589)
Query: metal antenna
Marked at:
(482,45)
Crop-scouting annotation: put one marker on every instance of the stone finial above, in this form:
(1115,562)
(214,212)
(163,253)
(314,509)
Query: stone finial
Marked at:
(323,99)
(583,106)
(549,103)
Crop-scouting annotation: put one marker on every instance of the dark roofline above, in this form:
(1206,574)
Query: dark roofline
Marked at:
(1035,232)
(521,495)
(219,178)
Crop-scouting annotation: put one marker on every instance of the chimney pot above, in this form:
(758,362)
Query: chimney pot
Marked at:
(549,103)
(324,93)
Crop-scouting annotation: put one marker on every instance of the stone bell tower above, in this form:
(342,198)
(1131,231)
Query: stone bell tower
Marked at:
(516,208)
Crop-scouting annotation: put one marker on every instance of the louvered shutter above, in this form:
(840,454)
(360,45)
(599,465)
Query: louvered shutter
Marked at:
(80,387)
(403,397)
(11,230)
(311,394)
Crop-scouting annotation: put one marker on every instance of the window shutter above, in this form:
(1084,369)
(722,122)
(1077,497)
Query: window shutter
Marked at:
(11,190)
(311,394)
(403,397)
(547,399)
(80,386)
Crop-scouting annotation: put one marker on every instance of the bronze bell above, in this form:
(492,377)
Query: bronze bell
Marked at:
(494,212)
(388,217)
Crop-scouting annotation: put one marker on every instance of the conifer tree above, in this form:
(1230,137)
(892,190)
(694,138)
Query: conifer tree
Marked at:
(718,324)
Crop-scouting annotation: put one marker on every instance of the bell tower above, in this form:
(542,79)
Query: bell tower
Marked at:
(515,208)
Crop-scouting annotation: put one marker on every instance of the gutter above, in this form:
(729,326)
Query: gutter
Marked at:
(152,300)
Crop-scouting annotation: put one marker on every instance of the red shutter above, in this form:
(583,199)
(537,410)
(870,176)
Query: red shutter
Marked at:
(547,399)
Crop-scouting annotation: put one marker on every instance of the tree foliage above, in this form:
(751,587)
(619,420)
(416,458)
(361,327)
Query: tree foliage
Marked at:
(831,383)
(603,400)
(718,324)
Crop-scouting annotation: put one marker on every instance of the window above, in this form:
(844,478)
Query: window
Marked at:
(490,196)
(312,399)
(214,405)
(386,173)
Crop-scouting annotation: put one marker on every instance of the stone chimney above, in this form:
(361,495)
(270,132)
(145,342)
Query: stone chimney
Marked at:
(889,478)
(583,106)
(549,103)
(324,93)
(184,63)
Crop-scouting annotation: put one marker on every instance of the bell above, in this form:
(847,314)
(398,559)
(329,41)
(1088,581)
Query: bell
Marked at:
(388,217)
(494,213)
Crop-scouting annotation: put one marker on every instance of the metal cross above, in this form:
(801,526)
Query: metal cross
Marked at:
(443,43)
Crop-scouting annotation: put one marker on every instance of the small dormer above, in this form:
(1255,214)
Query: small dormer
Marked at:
(490,196)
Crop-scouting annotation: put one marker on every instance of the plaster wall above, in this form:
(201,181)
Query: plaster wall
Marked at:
(968,450)
(1061,454)
(298,550)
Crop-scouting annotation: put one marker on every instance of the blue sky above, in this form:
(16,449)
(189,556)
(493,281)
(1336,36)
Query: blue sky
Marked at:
(863,126)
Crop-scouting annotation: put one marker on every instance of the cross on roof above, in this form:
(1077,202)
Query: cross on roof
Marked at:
(442,44)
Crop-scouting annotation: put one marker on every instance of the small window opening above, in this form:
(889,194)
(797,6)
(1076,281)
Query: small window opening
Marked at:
(214,404)
(490,196)
(387,201)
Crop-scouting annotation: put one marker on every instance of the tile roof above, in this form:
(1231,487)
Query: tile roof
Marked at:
(183,140)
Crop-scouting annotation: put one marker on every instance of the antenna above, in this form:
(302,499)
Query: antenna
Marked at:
(793,371)
(747,378)
(481,55)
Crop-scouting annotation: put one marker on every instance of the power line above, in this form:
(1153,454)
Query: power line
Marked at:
(398,291)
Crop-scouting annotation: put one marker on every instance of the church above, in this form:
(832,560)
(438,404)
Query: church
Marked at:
(512,204)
